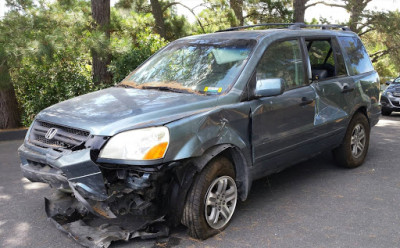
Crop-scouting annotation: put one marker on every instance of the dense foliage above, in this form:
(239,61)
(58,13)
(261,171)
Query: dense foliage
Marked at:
(48,50)
(46,46)
(40,84)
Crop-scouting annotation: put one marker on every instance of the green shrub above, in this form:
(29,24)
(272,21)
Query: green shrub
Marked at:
(41,84)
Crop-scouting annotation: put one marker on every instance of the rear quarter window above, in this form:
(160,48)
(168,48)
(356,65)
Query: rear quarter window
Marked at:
(357,58)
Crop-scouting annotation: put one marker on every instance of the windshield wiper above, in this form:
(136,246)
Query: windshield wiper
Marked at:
(124,86)
(160,88)
(166,88)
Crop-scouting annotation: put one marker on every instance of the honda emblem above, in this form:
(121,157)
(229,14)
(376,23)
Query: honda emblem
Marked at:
(51,133)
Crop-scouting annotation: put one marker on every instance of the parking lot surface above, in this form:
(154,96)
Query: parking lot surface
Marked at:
(312,204)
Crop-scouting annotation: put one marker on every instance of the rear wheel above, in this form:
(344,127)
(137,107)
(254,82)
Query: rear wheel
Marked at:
(386,112)
(352,152)
(212,199)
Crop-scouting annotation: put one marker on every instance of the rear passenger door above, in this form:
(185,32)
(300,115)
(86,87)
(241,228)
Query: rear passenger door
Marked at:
(282,125)
(332,84)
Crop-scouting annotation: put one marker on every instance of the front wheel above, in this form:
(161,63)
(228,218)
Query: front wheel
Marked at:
(212,199)
(352,152)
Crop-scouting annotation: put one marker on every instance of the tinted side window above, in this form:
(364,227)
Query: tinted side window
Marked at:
(358,59)
(283,60)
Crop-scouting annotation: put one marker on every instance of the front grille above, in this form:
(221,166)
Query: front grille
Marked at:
(65,137)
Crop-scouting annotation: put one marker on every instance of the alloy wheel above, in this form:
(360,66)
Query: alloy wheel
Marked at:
(358,139)
(220,201)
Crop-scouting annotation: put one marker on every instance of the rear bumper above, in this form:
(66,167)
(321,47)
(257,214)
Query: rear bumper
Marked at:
(374,118)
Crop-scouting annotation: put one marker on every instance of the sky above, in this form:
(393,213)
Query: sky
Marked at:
(333,14)
(2,7)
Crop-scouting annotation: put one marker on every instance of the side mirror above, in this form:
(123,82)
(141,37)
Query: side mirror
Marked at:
(388,82)
(269,87)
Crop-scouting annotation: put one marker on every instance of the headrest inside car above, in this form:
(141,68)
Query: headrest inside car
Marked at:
(319,74)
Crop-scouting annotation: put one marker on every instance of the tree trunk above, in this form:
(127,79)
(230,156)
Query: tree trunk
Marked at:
(158,17)
(237,6)
(100,60)
(356,7)
(9,112)
(299,10)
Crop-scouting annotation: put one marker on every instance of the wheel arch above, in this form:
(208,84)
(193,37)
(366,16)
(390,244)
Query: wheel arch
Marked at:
(363,110)
(238,159)
(192,167)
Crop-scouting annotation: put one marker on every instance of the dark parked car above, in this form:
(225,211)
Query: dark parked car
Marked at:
(181,139)
(390,98)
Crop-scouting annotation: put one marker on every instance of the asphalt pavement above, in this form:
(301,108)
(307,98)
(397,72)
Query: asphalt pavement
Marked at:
(312,204)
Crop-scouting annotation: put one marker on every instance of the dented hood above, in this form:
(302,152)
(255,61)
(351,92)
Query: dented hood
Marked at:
(112,110)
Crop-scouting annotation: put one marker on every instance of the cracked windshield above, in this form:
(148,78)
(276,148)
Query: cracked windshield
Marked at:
(201,67)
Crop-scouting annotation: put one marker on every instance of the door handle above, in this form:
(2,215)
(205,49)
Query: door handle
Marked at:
(306,101)
(346,88)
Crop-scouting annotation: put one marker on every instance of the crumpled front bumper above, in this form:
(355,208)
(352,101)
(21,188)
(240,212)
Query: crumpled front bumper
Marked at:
(70,217)
(72,171)
(81,207)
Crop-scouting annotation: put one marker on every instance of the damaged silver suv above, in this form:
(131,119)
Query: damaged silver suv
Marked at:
(181,138)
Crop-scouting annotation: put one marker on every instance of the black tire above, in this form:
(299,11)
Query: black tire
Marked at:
(194,213)
(386,112)
(345,155)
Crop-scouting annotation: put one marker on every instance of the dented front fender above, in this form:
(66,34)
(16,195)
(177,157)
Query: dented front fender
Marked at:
(192,136)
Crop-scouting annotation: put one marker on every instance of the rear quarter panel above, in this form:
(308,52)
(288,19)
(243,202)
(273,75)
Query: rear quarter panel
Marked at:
(367,85)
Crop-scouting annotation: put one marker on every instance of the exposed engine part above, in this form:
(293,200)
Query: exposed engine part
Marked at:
(138,183)
(131,192)
(132,203)
(121,174)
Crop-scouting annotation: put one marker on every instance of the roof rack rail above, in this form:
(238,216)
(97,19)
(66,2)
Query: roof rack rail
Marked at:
(294,26)
(322,26)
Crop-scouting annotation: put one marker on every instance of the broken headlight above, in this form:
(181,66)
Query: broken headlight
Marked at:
(141,144)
